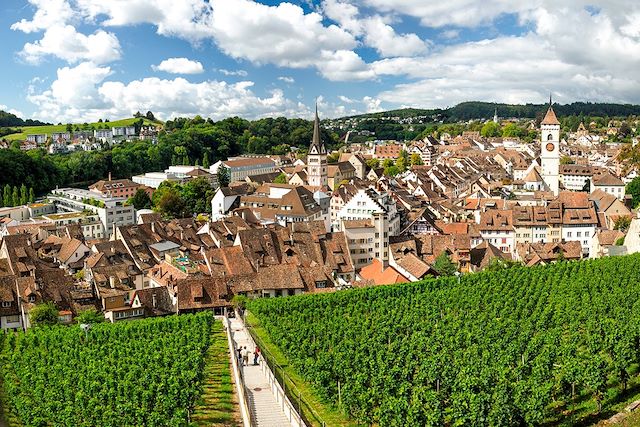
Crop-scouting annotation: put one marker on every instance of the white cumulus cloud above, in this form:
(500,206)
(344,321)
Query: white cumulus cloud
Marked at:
(179,66)
(81,93)
(64,42)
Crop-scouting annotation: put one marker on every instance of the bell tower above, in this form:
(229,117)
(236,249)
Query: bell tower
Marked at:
(317,158)
(550,150)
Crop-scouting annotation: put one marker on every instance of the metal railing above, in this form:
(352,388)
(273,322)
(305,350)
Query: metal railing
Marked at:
(238,376)
(303,407)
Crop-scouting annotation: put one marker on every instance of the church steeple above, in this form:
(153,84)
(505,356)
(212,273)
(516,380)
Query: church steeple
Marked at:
(317,158)
(550,118)
(317,146)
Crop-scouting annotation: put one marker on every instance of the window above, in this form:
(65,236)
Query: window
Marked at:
(568,234)
(6,304)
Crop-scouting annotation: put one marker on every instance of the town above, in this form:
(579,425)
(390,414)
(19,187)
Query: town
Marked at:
(370,213)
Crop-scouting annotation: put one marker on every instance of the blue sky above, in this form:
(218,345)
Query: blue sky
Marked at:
(81,60)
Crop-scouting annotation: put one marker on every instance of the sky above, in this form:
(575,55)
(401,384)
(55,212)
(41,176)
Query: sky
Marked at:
(84,60)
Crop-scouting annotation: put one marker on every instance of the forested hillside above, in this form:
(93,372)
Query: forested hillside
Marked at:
(485,110)
(8,119)
(184,141)
(524,346)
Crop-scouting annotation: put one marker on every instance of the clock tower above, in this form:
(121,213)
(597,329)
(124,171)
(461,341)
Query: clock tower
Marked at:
(550,150)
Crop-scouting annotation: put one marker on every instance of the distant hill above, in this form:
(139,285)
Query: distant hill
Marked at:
(8,119)
(20,133)
(484,110)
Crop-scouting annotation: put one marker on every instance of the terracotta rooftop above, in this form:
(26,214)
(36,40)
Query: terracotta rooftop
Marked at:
(550,118)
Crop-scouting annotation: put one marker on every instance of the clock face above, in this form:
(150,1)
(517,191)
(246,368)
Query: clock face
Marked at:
(550,147)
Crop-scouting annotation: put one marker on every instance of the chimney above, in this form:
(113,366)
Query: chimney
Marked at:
(109,175)
(112,282)
(155,301)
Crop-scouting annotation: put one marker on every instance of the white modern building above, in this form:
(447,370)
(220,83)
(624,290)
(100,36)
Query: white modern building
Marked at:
(111,210)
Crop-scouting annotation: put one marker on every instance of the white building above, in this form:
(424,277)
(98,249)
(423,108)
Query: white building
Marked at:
(92,227)
(550,150)
(224,199)
(371,216)
(123,131)
(242,167)
(575,177)
(154,179)
(103,135)
(611,185)
(38,139)
(111,210)
(61,136)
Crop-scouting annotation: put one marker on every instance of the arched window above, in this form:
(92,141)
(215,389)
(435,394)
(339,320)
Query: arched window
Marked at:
(550,137)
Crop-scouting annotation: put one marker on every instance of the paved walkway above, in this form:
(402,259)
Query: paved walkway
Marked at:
(265,410)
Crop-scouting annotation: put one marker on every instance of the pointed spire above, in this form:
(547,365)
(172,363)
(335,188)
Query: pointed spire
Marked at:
(316,141)
(550,118)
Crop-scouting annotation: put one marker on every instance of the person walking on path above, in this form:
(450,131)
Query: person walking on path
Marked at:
(245,356)
(256,355)
(239,350)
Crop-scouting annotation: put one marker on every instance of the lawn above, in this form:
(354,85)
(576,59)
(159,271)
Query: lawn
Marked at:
(218,404)
(63,128)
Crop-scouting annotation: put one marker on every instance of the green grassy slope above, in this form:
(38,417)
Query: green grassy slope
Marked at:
(62,128)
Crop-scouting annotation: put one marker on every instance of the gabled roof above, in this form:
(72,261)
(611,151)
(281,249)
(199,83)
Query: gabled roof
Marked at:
(378,275)
(608,180)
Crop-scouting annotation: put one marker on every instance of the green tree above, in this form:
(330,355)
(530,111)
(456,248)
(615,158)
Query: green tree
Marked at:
(444,266)
(45,314)
(633,188)
(491,129)
(6,196)
(223,176)
(90,316)
(172,205)
(566,160)
(69,127)
(15,196)
(333,158)
(373,163)
(150,116)
(140,200)
(197,195)
(32,196)
(205,160)
(622,223)
(401,164)
(24,195)
(416,160)
(280,179)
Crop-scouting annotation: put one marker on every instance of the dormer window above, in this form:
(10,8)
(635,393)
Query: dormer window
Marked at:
(6,304)
(32,298)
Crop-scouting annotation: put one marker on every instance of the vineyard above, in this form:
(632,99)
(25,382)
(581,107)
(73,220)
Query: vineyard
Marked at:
(522,346)
(148,372)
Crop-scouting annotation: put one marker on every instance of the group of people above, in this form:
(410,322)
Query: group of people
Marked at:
(243,356)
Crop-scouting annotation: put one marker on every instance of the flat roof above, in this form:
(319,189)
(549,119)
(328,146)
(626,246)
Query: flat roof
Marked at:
(164,246)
